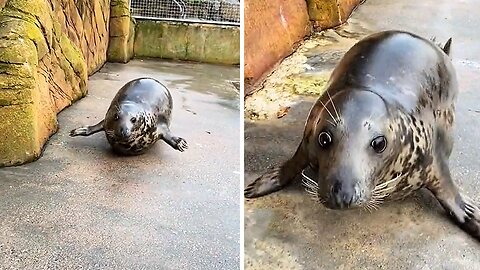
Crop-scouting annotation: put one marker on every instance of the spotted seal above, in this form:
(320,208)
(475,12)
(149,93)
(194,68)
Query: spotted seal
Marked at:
(139,115)
(382,129)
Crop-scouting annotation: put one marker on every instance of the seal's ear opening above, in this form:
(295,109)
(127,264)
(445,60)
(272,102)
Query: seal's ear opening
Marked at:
(446,47)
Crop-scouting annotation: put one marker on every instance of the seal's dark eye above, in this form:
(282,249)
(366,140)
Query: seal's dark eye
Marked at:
(324,139)
(116,117)
(379,144)
(133,119)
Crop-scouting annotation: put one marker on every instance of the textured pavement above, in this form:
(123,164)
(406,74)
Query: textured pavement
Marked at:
(81,207)
(287,230)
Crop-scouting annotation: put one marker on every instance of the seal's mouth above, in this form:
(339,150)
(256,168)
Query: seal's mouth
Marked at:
(370,201)
(328,199)
(124,139)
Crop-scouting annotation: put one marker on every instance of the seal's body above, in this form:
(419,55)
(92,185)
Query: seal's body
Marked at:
(139,115)
(381,130)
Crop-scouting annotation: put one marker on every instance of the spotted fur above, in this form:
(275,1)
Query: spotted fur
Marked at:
(137,118)
(403,87)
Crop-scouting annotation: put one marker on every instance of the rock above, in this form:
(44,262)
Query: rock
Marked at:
(47,50)
(330,13)
(272,29)
(122,32)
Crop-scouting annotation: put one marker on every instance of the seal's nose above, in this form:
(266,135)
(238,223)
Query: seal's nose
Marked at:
(124,132)
(342,194)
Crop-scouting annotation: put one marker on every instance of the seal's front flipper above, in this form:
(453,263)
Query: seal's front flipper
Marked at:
(175,142)
(88,130)
(279,177)
(460,208)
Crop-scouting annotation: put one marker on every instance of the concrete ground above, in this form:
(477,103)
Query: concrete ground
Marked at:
(82,207)
(287,230)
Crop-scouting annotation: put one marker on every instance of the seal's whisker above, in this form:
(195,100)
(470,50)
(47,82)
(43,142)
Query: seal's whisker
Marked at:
(328,111)
(331,122)
(386,183)
(373,204)
(382,190)
(333,105)
(309,183)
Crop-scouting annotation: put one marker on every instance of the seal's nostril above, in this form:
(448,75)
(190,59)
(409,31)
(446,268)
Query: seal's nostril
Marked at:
(337,187)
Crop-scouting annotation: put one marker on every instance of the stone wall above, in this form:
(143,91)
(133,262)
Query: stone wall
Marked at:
(272,28)
(122,32)
(330,13)
(47,50)
(180,41)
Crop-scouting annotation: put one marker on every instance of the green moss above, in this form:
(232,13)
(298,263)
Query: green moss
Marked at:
(131,39)
(325,12)
(35,12)
(204,43)
(117,50)
(17,68)
(28,32)
(15,90)
(306,84)
(148,39)
(74,56)
(18,51)
(19,127)
(122,33)
(119,9)
(228,50)
(196,36)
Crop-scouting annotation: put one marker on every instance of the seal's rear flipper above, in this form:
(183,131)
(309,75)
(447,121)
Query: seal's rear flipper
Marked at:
(175,142)
(461,209)
(88,130)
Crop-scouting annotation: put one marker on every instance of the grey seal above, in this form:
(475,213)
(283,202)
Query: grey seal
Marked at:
(382,129)
(139,115)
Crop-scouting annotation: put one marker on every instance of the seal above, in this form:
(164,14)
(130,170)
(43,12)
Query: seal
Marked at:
(382,129)
(139,115)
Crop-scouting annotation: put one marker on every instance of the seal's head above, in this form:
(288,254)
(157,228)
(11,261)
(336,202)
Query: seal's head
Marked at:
(353,141)
(125,122)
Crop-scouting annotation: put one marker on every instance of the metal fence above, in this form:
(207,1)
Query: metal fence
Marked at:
(203,11)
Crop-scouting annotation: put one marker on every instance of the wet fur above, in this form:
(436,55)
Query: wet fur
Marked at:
(420,127)
(150,103)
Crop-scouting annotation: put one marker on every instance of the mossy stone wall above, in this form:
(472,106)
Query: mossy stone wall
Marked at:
(122,32)
(47,50)
(180,41)
(272,30)
(330,13)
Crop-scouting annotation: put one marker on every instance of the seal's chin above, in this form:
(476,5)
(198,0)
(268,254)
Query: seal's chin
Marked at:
(344,202)
(330,204)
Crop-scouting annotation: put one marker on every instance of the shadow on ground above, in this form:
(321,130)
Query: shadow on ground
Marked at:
(287,230)
(81,207)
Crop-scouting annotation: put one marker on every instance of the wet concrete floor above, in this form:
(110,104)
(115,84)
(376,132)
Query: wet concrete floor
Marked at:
(82,207)
(287,230)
